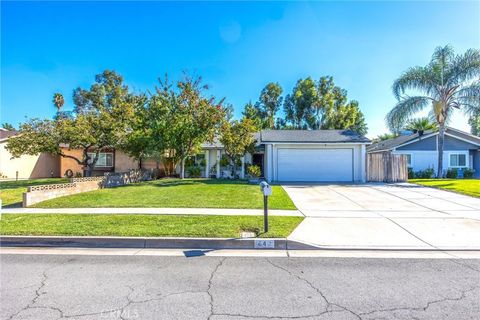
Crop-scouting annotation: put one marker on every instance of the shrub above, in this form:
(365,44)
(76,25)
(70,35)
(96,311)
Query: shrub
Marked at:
(254,171)
(411,173)
(452,173)
(468,173)
(224,161)
(194,171)
(425,174)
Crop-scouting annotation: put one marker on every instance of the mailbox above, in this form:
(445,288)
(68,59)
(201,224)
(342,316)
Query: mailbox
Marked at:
(266,188)
(267,191)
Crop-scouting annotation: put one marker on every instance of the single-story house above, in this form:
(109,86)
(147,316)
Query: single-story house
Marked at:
(43,165)
(282,155)
(298,156)
(461,149)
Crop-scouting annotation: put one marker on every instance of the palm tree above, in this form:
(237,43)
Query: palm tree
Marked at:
(448,82)
(421,124)
(58,100)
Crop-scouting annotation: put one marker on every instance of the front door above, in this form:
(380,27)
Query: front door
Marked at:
(257,160)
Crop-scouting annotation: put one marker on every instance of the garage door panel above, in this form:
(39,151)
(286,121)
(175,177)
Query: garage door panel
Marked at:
(310,164)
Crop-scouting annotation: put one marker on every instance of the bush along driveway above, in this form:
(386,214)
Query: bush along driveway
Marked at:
(175,193)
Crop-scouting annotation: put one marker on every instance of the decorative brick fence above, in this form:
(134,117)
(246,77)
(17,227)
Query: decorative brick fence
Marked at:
(41,193)
(36,194)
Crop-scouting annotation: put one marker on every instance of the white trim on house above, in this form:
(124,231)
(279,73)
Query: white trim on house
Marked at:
(431,135)
(357,162)
(465,133)
(462,139)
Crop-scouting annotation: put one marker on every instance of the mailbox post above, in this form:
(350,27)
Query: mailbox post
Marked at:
(267,191)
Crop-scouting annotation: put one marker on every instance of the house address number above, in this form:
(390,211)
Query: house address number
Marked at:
(264,244)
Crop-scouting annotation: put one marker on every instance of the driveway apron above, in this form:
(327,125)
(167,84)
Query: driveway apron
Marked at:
(385,216)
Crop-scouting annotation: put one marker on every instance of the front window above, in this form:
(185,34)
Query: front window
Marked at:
(409,160)
(105,159)
(458,160)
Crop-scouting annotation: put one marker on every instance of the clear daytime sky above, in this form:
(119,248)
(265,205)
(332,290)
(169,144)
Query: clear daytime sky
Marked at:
(237,47)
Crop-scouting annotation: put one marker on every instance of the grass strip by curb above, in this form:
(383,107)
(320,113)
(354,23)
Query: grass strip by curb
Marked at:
(213,226)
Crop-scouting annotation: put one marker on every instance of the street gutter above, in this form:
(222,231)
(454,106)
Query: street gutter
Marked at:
(152,242)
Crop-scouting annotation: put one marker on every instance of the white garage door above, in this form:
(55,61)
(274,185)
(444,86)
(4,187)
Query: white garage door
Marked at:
(315,165)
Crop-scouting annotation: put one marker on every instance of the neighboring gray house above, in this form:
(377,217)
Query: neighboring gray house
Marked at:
(299,155)
(461,150)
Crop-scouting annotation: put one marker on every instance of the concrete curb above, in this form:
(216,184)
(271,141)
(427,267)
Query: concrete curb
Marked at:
(194,243)
(150,242)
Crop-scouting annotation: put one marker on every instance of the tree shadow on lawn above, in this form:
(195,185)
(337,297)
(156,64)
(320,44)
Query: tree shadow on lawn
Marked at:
(12,205)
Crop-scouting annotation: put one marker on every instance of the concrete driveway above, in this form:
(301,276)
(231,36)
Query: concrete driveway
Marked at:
(380,216)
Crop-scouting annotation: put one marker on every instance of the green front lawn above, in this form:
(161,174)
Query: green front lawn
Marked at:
(176,193)
(143,225)
(469,187)
(11,191)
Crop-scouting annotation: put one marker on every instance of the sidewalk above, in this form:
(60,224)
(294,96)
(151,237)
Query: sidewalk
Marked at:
(174,211)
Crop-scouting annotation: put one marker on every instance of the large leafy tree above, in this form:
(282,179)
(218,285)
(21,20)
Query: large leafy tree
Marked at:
(186,118)
(448,82)
(138,139)
(269,103)
(237,137)
(253,114)
(322,105)
(100,118)
(299,104)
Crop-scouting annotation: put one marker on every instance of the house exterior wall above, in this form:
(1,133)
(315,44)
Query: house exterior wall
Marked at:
(43,165)
(455,144)
(476,163)
(271,153)
(426,144)
(124,162)
(67,163)
(421,160)
(424,153)
(430,144)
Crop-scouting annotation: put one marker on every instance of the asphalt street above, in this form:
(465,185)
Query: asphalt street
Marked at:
(203,287)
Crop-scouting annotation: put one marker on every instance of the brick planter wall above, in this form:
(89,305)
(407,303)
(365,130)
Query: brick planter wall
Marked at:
(41,193)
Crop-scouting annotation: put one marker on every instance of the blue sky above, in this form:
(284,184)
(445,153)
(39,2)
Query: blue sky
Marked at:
(237,47)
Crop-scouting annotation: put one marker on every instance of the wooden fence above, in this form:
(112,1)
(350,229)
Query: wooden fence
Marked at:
(387,167)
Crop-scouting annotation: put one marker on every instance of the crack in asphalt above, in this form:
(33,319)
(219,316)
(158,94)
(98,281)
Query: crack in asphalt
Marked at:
(463,295)
(238,315)
(38,293)
(63,315)
(330,307)
(130,301)
(210,284)
(310,284)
